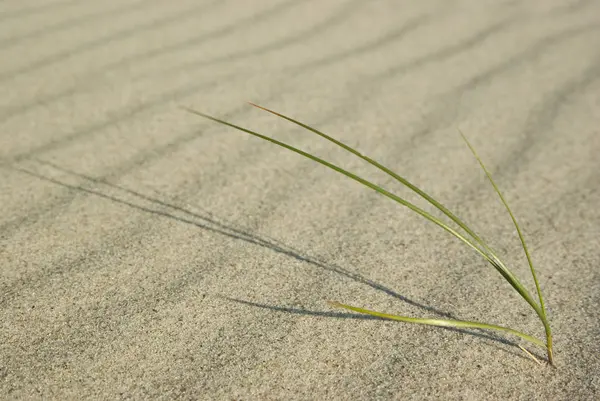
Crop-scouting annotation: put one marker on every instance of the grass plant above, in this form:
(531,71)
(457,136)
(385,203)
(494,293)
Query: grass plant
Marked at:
(468,236)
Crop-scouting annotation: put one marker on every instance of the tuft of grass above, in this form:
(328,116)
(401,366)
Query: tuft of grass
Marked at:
(468,236)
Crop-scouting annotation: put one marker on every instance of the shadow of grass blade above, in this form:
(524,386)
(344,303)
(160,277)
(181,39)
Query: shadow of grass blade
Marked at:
(460,324)
(542,309)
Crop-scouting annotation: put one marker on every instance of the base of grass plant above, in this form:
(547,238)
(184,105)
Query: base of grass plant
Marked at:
(468,236)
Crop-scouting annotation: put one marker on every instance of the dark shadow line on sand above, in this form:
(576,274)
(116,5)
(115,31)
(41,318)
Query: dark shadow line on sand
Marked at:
(223,229)
(357,316)
(236,233)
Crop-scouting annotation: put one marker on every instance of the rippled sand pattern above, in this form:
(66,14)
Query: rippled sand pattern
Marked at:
(146,253)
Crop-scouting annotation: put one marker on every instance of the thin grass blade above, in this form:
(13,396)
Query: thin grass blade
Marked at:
(541,311)
(507,274)
(474,242)
(495,260)
(461,324)
(514,220)
(391,173)
(361,180)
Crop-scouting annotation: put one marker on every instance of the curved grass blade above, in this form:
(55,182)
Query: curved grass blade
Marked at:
(543,316)
(391,173)
(496,261)
(507,274)
(461,324)
(486,252)
(366,183)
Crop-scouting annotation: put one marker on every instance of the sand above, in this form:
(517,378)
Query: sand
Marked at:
(146,253)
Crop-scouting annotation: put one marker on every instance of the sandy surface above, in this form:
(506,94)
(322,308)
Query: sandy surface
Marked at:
(146,253)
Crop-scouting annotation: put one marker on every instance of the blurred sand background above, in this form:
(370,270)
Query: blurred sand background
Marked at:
(146,253)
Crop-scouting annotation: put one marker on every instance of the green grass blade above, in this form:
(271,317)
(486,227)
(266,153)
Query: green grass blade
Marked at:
(497,262)
(542,309)
(391,173)
(514,220)
(473,242)
(361,180)
(507,274)
(461,324)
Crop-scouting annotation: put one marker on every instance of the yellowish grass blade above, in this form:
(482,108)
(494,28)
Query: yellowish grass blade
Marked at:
(461,324)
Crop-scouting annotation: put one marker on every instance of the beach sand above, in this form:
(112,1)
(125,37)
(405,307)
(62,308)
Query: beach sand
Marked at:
(147,253)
